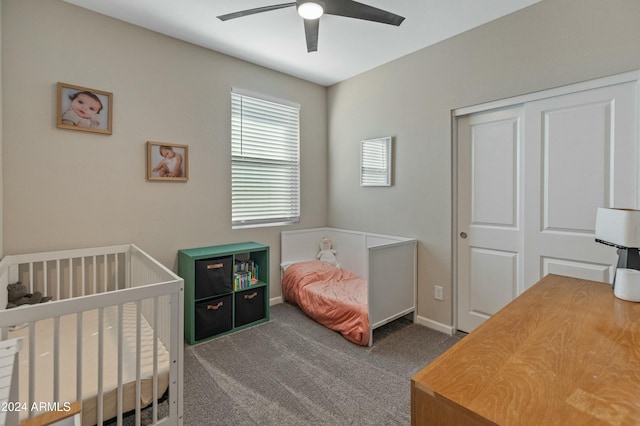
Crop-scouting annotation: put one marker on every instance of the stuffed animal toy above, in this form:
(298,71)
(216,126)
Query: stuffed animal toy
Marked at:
(327,254)
(19,295)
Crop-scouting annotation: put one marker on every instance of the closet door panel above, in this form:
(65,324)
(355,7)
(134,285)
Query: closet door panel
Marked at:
(529,181)
(575,166)
(489,214)
(579,155)
(500,269)
(493,168)
(584,270)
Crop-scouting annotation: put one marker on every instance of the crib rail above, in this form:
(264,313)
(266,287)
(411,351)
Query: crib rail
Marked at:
(67,274)
(103,280)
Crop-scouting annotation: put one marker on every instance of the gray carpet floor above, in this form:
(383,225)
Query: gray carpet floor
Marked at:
(293,371)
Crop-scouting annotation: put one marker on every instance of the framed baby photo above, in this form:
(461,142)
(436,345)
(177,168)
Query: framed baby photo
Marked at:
(81,108)
(167,161)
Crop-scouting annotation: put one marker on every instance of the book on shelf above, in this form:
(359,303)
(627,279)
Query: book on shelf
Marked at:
(241,280)
(245,273)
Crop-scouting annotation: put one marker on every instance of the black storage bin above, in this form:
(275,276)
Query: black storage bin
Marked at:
(213,316)
(250,306)
(213,277)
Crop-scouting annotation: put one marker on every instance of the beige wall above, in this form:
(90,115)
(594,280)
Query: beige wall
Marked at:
(552,43)
(70,189)
(65,189)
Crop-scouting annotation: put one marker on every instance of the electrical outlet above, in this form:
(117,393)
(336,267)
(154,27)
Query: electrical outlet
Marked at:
(438,293)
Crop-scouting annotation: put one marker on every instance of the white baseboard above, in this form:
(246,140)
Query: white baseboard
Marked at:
(435,325)
(276,300)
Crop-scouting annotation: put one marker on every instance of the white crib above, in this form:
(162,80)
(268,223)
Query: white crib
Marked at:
(111,338)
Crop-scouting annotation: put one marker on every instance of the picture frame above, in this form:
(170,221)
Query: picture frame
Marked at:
(376,162)
(164,169)
(84,109)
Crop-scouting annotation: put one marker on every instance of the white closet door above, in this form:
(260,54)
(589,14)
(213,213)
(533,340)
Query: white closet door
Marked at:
(490,229)
(530,180)
(581,155)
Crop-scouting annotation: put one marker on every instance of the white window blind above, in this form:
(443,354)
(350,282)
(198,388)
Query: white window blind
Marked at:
(265,166)
(375,162)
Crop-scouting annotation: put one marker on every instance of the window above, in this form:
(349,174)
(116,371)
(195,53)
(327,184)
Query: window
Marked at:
(375,162)
(265,162)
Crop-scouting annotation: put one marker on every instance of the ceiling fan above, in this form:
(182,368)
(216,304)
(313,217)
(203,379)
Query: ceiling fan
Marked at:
(312,10)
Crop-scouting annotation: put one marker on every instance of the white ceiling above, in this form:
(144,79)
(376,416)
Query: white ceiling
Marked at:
(276,40)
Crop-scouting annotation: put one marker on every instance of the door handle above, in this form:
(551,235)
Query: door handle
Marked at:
(463,235)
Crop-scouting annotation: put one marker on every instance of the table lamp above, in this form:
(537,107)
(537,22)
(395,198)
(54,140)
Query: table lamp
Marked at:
(621,228)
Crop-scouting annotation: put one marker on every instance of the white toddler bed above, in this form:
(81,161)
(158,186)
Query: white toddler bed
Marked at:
(388,264)
(111,337)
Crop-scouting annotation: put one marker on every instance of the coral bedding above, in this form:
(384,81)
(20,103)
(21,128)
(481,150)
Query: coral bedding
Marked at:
(334,297)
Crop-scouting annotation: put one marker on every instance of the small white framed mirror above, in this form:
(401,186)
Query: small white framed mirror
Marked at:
(375,162)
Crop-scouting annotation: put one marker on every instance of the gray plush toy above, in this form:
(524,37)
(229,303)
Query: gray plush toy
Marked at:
(19,295)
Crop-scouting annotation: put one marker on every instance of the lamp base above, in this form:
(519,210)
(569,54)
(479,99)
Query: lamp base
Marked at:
(627,285)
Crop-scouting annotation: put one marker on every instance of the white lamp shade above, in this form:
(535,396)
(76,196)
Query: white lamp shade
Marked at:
(310,10)
(620,227)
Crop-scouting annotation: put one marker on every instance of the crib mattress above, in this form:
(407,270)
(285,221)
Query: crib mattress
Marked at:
(68,355)
(336,298)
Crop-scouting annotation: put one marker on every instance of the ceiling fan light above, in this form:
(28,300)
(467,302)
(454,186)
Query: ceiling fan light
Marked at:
(310,10)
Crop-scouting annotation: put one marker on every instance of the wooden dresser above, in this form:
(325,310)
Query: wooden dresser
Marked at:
(565,352)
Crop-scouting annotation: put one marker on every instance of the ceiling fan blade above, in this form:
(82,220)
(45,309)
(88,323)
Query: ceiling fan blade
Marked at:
(353,9)
(311,27)
(253,11)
